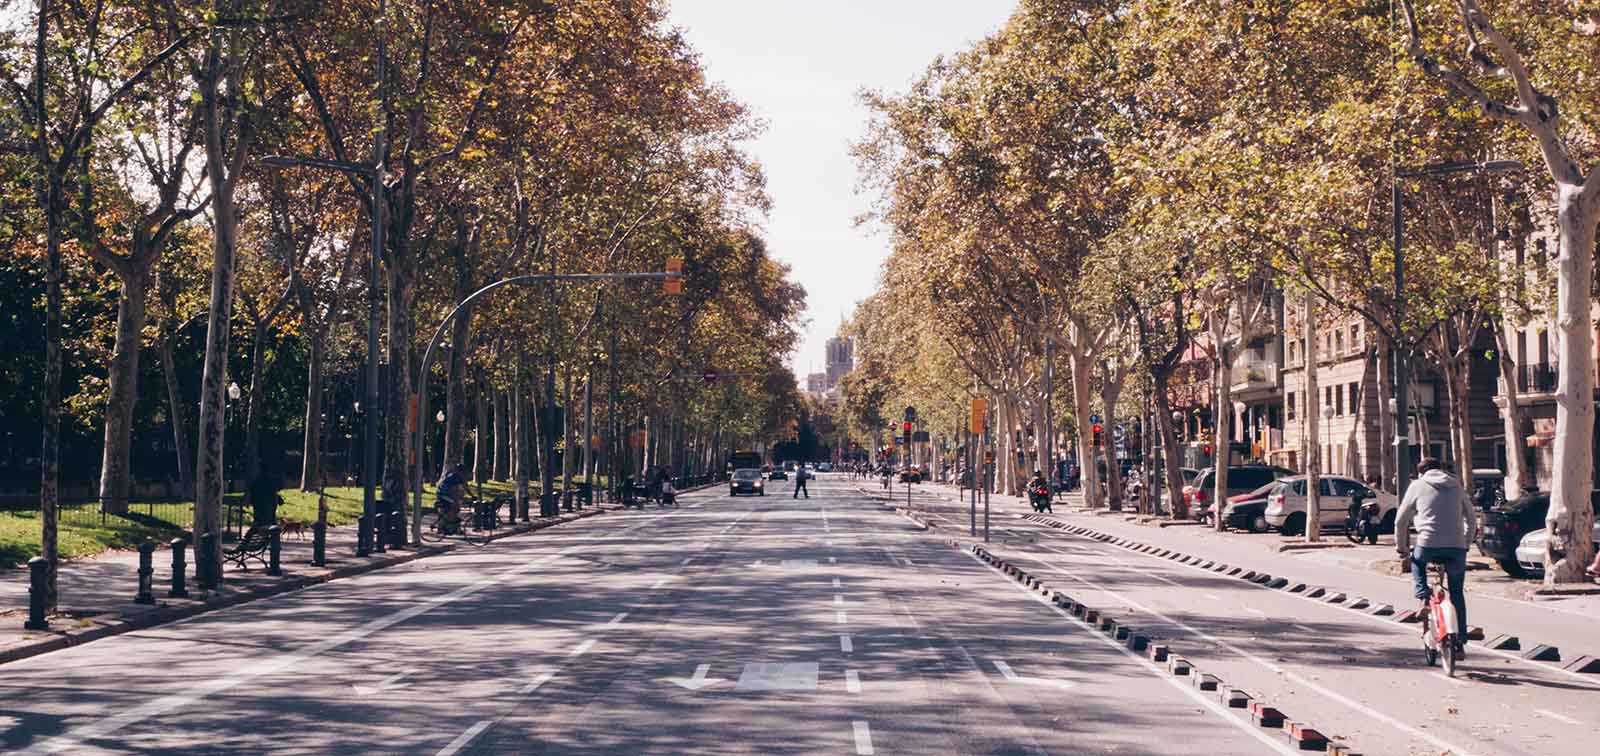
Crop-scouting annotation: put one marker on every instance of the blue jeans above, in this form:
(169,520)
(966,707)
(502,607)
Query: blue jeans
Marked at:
(1455,570)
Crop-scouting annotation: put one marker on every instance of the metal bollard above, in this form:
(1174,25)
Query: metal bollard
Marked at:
(38,588)
(363,530)
(274,550)
(380,523)
(179,567)
(147,552)
(205,567)
(319,544)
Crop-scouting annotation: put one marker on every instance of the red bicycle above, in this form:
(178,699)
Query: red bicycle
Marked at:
(1441,635)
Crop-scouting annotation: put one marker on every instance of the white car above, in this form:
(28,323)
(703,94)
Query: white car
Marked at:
(1286,506)
(1530,551)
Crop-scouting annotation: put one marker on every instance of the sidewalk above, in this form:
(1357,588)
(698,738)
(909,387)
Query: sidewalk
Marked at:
(97,593)
(1567,623)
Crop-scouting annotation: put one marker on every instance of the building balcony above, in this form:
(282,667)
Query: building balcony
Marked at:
(1537,378)
(1253,376)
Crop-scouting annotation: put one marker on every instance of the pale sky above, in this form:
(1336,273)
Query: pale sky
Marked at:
(798,65)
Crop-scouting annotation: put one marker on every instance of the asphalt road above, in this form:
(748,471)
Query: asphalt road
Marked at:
(1347,672)
(741,626)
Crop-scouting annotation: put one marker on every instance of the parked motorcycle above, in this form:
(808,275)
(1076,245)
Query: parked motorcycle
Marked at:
(1361,524)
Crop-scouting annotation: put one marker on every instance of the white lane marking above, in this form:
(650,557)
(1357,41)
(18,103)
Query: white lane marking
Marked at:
(863,737)
(617,620)
(658,584)
(1255,611)
(840,617)
(383,685)
(583,648)
(836,582)
(1303,627)
(838,599)
(533,685)
(907,560)
(852,682)
(167,703)
(846,645)
(1557,717)
(698,681)
(833,560)
(686,560)
(1188,690)
(465,738)
(1439,743)
(1012,676)
(828,542)
(1213,597)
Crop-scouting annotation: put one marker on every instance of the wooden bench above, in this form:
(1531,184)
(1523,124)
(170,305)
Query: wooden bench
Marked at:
(252,545)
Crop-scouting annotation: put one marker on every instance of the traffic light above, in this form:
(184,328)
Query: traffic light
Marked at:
(673,284)
(1097,430)
(907,428)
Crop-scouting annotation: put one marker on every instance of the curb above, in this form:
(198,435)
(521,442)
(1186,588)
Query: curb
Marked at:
(111,624)
(1300,735)
(1551,655)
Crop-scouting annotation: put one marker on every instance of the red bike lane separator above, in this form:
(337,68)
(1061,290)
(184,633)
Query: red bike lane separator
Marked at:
(1294,677)
(1383,620)
(1180,684)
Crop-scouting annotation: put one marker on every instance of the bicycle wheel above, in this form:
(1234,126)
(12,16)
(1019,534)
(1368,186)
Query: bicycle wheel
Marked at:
(1447,652)
(1429,653)
(430,527)
(474,535)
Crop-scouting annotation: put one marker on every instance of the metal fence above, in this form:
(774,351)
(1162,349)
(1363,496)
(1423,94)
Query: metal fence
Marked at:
(162,514)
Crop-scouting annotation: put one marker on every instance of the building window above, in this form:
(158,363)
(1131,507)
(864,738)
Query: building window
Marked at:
(1291,352)
(1289,402)
(1338,342)
(1355,337)
(1355,398)
(1327,396)
(1338,402)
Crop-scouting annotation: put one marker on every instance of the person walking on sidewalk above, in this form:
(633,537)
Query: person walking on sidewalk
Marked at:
(800,476)
(1446,524)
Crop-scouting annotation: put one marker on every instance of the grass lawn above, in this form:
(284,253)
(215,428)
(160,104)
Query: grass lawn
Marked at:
(84,532)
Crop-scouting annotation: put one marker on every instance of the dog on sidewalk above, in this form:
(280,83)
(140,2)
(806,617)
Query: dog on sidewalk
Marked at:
(288,527)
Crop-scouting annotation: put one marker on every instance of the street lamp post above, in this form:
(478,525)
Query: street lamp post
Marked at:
(1402,348)
(1327,431)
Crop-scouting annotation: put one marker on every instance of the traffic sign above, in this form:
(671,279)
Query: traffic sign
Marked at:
(980,412)
(920,437)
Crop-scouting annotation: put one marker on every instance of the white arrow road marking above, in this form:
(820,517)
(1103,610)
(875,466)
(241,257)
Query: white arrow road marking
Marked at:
(383,685)
(863,738)
(465,738)
(852,681)
(532,686)
(698,681)
(1012,676)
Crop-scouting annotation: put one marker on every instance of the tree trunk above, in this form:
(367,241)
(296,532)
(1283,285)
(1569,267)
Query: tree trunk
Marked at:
(480,432)
(502,437)
(518,427)
(398,420)
(50,402)
(1171,454)
(179,411)
(122,384)
(1110,389)
(1082,396)
(1571,516)
(252,425)
(311,457)
(1313,529)
(1222,420)
(1518,474)
(455,420)
(567,426)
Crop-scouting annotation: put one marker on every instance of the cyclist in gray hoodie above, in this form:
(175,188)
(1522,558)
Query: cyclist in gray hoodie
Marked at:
(1446,524)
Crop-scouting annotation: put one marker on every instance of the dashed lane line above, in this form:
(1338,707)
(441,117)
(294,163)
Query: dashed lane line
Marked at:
(1557,717)
(464,738)
(846,645)
(534,684)
(852,681)
(583,648)
(839,617)
(617,620)
(863,734)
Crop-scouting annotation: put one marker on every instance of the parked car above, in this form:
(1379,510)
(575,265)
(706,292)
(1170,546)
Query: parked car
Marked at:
(1286,504)
(1530,550)
(777,473)
(1247,511)
(1504,527)
(824,467)
(1241,479)
(747,480)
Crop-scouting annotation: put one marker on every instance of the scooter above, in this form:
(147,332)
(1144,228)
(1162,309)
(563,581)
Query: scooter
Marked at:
(1039,497)
(1362,522)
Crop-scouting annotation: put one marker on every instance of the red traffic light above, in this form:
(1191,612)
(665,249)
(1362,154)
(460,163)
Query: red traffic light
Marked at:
(1097,428)
(907,427)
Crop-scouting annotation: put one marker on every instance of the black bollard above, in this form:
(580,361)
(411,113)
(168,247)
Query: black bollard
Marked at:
(205,565)
(179,546)
(274,550)
(38,588)
(147,552)
(363,530)
(380,523)
(319,544)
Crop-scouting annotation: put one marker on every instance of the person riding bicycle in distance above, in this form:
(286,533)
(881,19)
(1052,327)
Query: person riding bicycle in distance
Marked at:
(452,492)
(1446,524)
